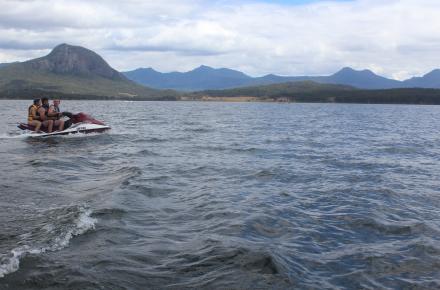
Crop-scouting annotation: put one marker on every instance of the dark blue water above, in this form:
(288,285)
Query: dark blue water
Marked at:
(183,195)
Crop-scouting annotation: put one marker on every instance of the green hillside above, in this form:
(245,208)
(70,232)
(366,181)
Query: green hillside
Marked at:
(72,72)
(309,91)
(288,89)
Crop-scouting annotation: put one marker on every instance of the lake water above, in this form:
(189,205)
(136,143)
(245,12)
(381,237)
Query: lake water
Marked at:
(191,195)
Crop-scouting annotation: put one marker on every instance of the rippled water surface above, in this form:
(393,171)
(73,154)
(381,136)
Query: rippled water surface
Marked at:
(183,195)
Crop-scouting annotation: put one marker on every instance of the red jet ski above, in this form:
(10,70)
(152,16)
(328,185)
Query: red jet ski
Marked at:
(78,123)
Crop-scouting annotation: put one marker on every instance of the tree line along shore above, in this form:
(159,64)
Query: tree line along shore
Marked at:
(275,93)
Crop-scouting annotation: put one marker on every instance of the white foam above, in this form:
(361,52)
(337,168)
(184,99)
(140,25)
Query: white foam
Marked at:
(11,263)
(27,134)
(78,135)
(13,136)
(84,223)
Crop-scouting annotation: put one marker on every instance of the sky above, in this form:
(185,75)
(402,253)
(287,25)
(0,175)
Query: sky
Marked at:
(394,38)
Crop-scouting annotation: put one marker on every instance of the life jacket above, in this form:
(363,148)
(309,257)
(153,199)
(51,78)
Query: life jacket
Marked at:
(30,116)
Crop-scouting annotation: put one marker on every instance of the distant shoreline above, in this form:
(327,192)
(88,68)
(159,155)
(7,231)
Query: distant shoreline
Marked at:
(210,99)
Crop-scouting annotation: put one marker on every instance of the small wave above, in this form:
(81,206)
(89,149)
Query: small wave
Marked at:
(150,191)
(145,152)
(212,148)
(263,263)
(113,212)
(151,140)
(388,228)
(128,172)
(198,130)
(248,149)
(26,135)
(203,266)
(11,263)
(265,173)
(124,175)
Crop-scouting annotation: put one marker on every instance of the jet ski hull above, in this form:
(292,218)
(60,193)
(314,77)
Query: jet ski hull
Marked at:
(77,123)
(83,128)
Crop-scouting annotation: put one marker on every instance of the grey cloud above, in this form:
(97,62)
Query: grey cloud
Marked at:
(23,45)
(188,51)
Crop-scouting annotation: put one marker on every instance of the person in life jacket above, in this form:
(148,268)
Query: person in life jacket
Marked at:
(42,112)
(33,116)
(55,114)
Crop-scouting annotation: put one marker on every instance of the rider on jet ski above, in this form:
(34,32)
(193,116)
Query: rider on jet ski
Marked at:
(33,118)
(43,113)
(37,116)
(55,114)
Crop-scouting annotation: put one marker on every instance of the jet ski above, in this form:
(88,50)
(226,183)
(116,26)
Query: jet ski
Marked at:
(77,123)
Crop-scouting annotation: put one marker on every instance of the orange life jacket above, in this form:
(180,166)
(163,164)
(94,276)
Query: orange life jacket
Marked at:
(30,116)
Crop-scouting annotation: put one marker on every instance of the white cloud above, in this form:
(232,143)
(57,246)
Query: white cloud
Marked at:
(397,38)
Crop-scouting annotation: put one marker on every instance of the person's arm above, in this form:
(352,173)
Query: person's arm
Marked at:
(52,113)
(34,113)
(43,116)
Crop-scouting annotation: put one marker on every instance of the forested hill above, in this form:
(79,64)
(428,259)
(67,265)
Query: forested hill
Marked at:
(72,72)
(309,91)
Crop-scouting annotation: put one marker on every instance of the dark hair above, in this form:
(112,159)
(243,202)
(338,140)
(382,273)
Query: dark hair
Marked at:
(36,101)
(44,100)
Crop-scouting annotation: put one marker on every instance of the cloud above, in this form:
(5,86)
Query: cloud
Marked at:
(397,38)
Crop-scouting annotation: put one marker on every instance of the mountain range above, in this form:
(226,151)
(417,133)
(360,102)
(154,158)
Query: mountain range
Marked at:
(78,73)
(207,78)
(72,71)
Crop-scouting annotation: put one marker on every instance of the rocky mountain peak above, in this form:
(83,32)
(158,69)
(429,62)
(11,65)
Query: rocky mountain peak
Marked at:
(75,60)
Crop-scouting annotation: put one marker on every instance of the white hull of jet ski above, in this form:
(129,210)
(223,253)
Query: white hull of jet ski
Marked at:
(84,128)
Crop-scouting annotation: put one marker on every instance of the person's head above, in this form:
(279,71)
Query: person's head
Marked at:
(37,102)
(56,102)
(45,101)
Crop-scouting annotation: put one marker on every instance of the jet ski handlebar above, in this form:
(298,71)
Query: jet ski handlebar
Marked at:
(67,114)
